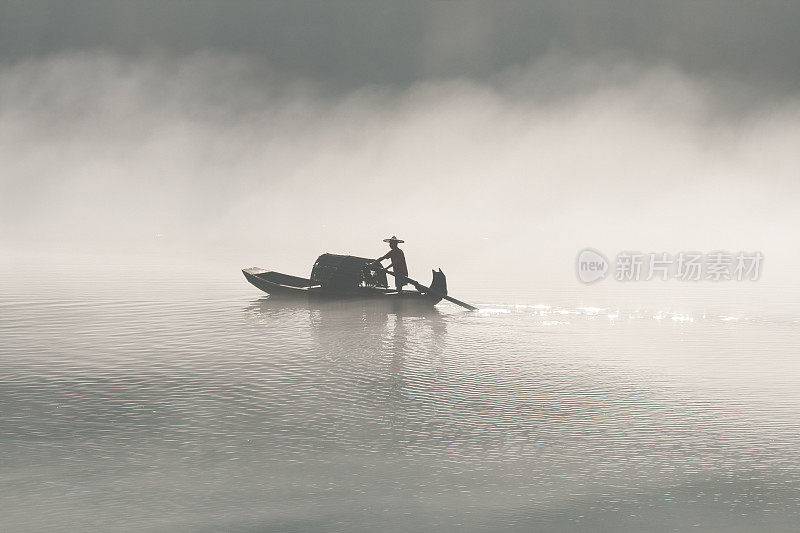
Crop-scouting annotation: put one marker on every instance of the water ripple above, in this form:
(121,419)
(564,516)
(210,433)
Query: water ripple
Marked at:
(229,412)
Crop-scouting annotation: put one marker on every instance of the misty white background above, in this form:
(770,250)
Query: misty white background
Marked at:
(176,151)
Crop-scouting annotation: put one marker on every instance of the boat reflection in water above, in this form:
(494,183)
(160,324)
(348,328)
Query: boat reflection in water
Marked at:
(351,333)
(374,357)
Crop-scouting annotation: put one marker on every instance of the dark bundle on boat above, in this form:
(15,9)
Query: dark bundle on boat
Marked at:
(347,271)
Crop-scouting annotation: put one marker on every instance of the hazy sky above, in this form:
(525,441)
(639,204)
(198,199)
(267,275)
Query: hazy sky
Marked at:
(490,133)
(347,44)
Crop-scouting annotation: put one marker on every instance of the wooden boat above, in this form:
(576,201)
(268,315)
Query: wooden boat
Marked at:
(341,277)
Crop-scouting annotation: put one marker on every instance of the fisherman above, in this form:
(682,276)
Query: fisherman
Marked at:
(398,262)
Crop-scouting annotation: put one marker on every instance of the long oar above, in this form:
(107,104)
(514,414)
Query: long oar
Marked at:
(422,288)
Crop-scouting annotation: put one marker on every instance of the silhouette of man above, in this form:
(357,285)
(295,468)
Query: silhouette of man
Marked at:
(398,262)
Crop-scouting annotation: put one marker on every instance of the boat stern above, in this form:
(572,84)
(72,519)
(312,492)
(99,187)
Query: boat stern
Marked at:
(438,284)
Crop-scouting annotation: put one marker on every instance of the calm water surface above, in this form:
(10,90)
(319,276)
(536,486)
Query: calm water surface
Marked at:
(172,402)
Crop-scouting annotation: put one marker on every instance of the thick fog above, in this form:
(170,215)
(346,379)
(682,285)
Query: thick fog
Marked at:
(222,154)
